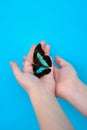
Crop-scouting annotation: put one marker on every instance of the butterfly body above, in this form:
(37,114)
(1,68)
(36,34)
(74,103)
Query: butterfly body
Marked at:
(41,62)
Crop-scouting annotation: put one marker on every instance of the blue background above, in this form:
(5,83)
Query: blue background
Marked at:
(61,23)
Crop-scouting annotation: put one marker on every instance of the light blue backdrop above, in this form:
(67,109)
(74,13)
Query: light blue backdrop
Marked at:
(63,24)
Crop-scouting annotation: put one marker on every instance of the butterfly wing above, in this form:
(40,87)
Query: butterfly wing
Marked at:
(41,71)
(39,50)
(48,60)
(41,58)
(41,62)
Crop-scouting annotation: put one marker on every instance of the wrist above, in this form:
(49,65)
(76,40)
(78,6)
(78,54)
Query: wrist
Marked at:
(72,91)
(39,91)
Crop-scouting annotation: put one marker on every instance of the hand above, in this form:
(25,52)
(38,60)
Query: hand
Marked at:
(26,77)
(66,77)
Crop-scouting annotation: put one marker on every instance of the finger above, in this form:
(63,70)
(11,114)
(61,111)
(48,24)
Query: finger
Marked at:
(42,44)
(27,66)
(17,72)
(30,54)
(26,58)
(55,72)
(61,61)
(28,69)
(47,49)
(31,51)
(27,62)
(23,63)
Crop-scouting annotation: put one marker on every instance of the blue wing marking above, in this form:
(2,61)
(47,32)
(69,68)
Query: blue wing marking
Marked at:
(42,61)
(40,70)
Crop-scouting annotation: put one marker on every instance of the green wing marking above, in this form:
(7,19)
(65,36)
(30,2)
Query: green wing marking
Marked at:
(42,61)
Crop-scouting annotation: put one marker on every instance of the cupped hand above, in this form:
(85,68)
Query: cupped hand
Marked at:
(27,79)
(66,77)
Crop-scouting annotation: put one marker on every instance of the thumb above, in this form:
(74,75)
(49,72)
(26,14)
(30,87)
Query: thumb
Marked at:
(17,72)
(60,61)
(55,72)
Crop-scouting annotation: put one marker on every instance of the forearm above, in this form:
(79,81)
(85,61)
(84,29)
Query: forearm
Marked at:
(77,96)
(48,111)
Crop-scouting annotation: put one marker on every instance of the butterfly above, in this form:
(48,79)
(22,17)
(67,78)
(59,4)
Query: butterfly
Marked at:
(41,62)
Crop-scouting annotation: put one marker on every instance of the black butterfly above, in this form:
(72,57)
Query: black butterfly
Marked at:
(41,62)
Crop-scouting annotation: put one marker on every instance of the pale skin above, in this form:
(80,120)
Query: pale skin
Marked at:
(62,83)
(42,94)
(69,86)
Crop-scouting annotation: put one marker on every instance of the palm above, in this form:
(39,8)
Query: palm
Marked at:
(64,77)
(27,78)
(46,81)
